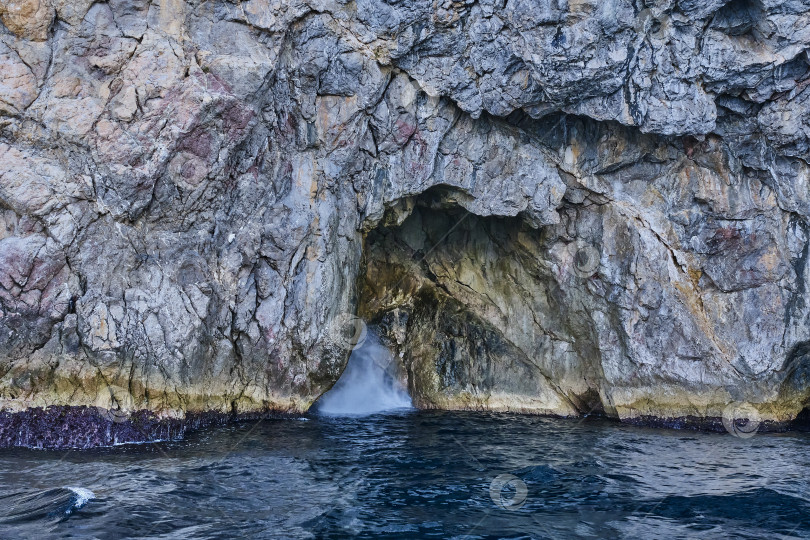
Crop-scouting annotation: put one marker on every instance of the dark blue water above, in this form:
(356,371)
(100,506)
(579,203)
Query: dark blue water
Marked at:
(417,475)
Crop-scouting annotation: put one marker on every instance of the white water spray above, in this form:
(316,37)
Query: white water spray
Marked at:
(368,385)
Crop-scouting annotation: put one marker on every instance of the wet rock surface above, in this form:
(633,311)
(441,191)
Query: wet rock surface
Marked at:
(82,428)
(564,206)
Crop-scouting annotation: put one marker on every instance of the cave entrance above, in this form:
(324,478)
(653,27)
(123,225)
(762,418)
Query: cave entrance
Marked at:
(473,309)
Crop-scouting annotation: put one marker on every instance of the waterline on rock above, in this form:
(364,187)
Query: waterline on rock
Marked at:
(368,385)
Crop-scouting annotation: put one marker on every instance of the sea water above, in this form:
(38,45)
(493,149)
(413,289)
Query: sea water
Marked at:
(416,474)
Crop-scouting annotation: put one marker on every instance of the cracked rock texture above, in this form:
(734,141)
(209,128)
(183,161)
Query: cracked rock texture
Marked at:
(192,192)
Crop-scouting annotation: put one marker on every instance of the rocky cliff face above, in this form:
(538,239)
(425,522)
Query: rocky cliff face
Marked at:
(551,206)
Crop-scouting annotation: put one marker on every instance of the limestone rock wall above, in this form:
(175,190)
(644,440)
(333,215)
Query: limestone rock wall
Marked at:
(191,192)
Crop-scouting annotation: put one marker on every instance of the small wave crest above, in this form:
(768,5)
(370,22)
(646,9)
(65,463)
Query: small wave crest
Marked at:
(83,495)
(46,505)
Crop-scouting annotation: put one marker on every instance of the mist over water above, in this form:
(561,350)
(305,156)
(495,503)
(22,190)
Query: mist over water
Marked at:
(368,385)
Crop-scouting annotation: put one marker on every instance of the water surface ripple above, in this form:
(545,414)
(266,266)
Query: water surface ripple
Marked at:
(416,475)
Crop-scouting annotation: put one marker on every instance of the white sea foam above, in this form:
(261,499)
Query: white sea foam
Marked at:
(82,496)
(369,385)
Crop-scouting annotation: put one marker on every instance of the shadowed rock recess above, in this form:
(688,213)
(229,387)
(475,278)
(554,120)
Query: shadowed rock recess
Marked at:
(546,206)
